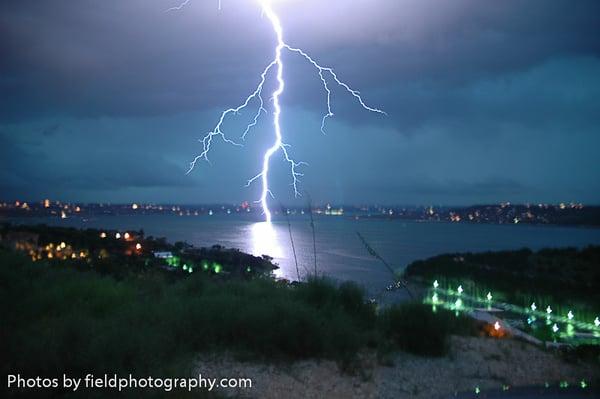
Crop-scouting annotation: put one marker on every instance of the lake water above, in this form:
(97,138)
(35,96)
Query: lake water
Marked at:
(340,253)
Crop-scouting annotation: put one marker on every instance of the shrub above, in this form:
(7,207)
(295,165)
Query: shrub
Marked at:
(416,329)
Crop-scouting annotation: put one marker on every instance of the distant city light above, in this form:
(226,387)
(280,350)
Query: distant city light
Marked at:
(103,235)
(554,328)
(548,309)
(436,284)
(570,315)
(118,235)
(597,322)
(134,206)
(138,246)
(533,307)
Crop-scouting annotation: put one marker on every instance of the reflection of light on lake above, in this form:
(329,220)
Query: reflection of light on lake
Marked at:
(265,241)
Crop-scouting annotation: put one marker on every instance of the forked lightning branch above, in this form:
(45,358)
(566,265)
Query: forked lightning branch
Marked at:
(276,67)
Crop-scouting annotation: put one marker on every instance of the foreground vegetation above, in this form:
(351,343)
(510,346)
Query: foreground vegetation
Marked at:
(60,319)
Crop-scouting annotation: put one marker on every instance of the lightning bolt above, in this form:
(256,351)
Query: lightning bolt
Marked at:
(326,75)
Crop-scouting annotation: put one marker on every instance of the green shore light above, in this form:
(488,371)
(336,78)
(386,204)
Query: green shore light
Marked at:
(217,268)
(173,261)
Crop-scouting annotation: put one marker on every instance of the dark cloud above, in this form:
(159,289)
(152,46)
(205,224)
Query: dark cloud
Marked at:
(51,130)
(132,58)
(53,166)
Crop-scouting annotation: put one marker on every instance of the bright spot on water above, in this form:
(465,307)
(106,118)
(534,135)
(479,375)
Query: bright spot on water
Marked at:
(265,240)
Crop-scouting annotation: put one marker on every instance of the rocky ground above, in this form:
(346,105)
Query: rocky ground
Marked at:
(472,362)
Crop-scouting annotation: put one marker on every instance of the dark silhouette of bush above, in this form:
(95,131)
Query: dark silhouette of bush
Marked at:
(414,328)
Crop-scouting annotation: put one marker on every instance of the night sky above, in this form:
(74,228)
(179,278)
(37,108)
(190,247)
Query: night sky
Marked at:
(487,101)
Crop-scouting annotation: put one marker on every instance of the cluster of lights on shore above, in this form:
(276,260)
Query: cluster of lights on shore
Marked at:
(65,251)
(60,250)
(561,384)
(205,265)
(532,311)
(126,236)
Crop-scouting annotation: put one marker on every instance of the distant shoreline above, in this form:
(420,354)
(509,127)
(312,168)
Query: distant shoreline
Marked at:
(505,213)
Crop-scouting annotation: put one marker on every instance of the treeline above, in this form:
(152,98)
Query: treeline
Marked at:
(567,271)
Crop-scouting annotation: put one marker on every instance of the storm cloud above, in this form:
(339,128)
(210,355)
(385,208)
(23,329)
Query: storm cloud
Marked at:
(486,100)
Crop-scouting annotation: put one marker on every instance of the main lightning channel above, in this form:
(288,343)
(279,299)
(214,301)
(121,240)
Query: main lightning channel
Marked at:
(256,95)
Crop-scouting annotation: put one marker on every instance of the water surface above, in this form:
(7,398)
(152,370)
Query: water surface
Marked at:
(340,254)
